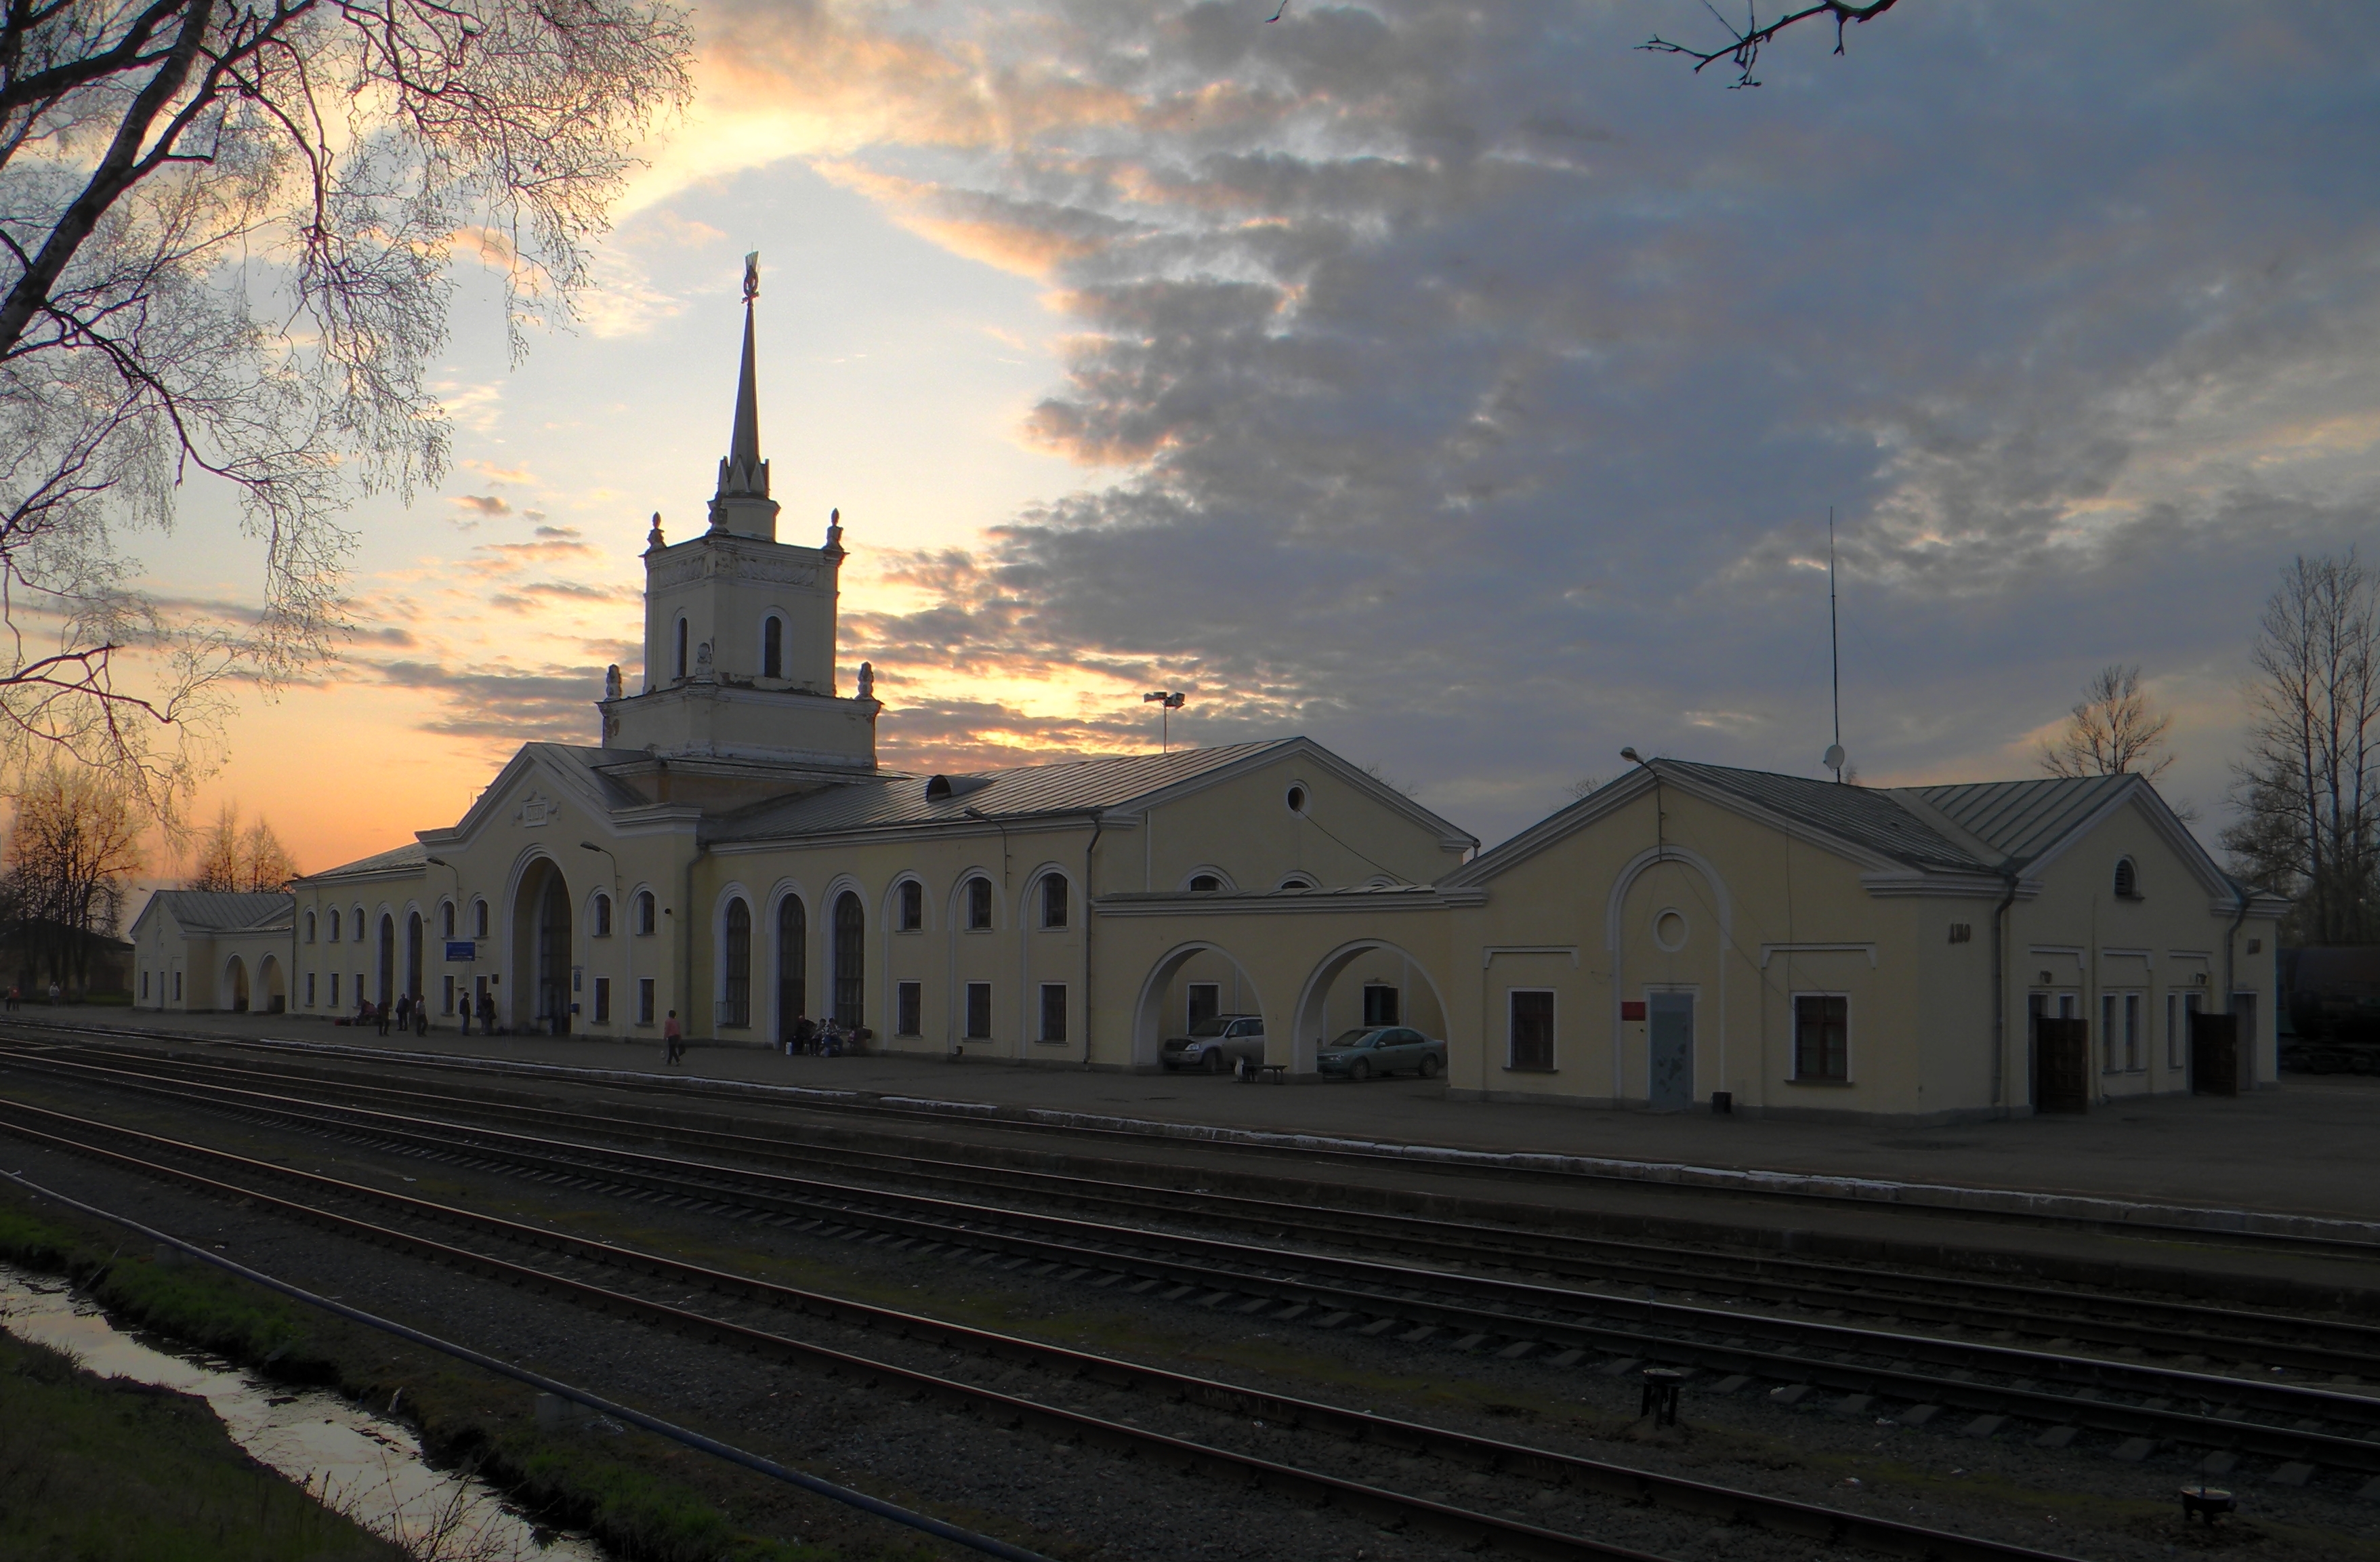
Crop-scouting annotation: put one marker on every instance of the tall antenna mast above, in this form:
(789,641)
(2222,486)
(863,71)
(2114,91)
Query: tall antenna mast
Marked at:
(1834,759)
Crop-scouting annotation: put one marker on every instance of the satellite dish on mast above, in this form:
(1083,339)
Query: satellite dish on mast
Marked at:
(1835,757)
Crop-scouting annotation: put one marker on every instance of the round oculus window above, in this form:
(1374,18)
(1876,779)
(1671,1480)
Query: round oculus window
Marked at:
(1670,931)
(1296,800)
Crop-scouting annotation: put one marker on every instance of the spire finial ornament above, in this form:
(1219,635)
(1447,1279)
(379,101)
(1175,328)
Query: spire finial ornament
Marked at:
(835,532)
(653,543)
(742,505)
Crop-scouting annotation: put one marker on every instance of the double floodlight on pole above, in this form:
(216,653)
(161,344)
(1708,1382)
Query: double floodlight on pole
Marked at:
(1167,703)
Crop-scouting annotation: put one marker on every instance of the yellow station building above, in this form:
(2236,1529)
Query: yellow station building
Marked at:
(731,850)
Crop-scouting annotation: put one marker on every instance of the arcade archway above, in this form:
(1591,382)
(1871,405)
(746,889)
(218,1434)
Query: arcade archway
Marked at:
(235,984)
(1394,989)
(1151,1020)
(541,946)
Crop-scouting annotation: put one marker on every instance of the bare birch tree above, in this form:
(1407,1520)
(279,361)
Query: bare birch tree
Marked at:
(73,847)
(226,235)
(2115,730)
(2308,819)
(242,861)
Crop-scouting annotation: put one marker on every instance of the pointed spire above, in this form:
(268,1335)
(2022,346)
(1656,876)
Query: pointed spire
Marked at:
(742,504)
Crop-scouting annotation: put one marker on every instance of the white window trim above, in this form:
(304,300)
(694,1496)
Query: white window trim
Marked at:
(1793,1036)
(1553,1053)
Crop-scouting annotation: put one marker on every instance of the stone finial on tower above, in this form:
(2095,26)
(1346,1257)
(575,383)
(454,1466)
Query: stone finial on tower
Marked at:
(653,543)
(742,504)
(834,533)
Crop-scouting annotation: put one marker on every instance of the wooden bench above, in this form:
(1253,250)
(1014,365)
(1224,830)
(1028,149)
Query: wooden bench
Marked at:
(1276,1072)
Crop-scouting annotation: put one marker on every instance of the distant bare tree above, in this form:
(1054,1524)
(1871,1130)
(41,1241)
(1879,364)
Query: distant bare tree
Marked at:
(2308,789)
(73,849)
(2114,731)
(225,230)
(1744,44)
(248,860)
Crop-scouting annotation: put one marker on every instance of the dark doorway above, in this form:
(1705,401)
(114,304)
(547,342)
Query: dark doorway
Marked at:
(850,961)
(2062,1068)
(553,956)
(792,965)
(2215,1054)
(387,960)
(1670,1039)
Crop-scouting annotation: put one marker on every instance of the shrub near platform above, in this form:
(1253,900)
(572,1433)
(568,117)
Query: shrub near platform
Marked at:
(643,1498)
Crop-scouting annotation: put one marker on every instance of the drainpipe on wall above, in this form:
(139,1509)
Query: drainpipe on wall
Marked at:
(1999,989)
(1098,824)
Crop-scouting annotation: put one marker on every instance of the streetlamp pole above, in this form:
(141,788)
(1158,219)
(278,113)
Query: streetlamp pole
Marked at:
(1167,701)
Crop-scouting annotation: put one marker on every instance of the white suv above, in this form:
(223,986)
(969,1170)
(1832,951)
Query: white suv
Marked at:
(1217,1043)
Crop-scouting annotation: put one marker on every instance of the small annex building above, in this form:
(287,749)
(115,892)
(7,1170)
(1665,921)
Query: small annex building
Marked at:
(198,950)
(731,851)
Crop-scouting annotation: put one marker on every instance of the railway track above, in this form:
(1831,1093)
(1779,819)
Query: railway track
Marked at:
(327,1203)
(1932,1376)
(2195,1334)
(858,1105)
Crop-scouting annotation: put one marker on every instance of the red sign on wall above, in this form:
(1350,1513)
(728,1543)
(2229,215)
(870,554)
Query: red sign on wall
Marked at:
(1631,1010)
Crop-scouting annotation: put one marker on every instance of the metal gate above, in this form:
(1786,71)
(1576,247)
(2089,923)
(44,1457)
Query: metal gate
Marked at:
(2061,1065)
(2214,1054)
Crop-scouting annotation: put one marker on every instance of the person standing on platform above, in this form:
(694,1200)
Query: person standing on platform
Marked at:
(673,1039)
(487,1015)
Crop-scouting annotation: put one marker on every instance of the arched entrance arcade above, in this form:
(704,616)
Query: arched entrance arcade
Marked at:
(1188,982)
(271,995)
(542,946)
(235,984)
(1363,982)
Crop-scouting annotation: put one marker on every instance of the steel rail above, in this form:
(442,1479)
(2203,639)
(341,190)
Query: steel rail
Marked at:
(1781,1514)
(811,1100)
(2167,1327)
(2024,1397)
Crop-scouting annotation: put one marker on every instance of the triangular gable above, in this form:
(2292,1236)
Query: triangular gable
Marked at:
(550,761)
(1449,834)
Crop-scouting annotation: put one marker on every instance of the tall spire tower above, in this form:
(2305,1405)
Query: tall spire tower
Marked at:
(742,505)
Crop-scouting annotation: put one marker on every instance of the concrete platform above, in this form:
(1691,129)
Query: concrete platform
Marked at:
(2305,1149)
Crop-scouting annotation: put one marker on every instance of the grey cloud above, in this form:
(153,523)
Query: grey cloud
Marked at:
(1479,385)
(555,704)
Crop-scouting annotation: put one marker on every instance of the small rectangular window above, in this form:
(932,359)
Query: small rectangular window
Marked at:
(177,986)
(978,904)
(2109,1058)
(909,1009)
(644,1000)
(144,986)
(1206,1001)
(603,999)
(2131,1033)
(310,989)
(978,1011)
(913,907)
(1821,1036)
(1532,1036)
(334,988)
(449,999)
(1054,1011)
(1053,900)
(1379,1004)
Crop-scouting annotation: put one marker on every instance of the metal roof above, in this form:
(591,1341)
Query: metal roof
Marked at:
(1865,816)
(207,911)
(896,802)
(411,855)
(2022,819)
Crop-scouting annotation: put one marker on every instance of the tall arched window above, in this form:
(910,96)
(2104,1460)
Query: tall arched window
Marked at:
(739,1007)
(602,916)
(645,911)
(479,918)
(335,924)
(850,960)
(912,905)
(1053,900)
(447,919)
(772,647)
(978,905)
(792,965)
(681,648)
(310,933)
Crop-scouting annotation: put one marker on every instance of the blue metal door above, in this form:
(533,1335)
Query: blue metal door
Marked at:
(1670,1037)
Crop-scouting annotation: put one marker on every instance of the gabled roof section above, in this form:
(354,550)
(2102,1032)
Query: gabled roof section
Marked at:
(1867,817)
(207,911)
(413,854)
(2023,819)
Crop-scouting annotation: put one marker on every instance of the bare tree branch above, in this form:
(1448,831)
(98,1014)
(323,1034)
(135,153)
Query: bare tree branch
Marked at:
(1743,46)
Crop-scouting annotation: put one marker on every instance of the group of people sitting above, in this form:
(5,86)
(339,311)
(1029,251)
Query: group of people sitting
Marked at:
(826,1038)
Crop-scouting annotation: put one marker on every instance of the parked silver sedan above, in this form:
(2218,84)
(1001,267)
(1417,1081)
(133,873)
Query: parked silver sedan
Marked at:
(1382,1049)
(1217,1043)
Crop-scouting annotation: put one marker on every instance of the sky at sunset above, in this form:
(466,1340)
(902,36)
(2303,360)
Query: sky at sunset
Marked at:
(1459,387)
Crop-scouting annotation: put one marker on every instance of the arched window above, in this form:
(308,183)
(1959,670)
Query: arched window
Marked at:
(681,648)
(645,911)
(912,900)
(479,918)
(772,647)
(792,965)
(2128,880)
(602,916)
(1053,900)
(850,960)
(335,924)
(978,910)
(310,933)
(737,1010)
(447,919)
(1206,884)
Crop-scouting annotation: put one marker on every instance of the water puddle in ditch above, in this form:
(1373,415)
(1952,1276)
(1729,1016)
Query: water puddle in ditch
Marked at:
(367,1467)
